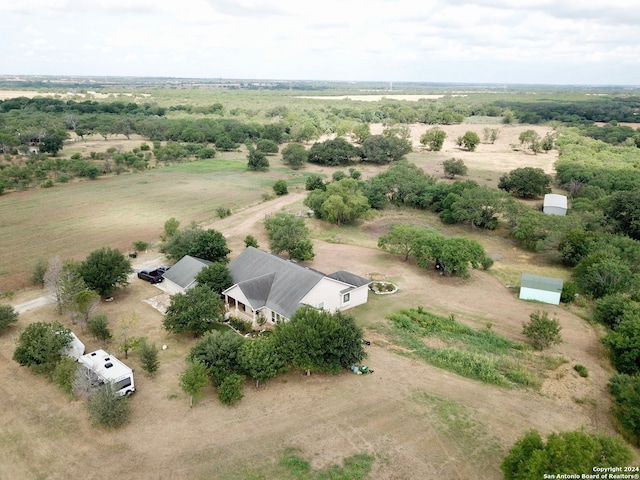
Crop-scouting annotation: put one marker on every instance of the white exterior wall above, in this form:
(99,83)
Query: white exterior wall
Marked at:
(358,296)
(236,293)
(551,210)
(327,291)
(552,298)
(171,287)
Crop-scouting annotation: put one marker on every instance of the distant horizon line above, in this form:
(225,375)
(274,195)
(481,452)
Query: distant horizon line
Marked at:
(18,77)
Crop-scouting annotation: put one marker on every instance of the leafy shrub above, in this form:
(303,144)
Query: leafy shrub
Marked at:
(37,274)
(610,310)
(230,390)
(98,326)
(107,408)
(569,290)
(542,330)
(626,395)
(223,212)
(8,316)
(149,357)
(280,187)
(582,370)
(578,451)
(240,325)
(65,373)
(139,245)
(250,241)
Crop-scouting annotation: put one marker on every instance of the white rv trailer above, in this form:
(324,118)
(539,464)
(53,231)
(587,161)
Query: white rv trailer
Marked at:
(109,369)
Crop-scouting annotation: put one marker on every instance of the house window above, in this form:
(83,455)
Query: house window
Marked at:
(320,306)
(346,298)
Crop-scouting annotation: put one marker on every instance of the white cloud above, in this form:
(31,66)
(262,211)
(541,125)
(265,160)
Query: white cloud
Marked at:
(524,41)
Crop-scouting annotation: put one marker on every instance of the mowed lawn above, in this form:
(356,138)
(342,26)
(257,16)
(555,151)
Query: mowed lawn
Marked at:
(74,219)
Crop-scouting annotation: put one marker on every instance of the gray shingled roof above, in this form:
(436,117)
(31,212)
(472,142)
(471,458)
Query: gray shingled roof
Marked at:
(272,281)
(184,272)
(350,278)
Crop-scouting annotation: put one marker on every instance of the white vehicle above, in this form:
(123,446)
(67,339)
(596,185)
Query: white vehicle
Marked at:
(109,369)
(75,349)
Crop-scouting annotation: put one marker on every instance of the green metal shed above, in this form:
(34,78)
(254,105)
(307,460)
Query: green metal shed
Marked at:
(542,289)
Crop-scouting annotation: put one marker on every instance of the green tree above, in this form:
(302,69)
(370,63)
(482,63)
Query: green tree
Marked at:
(318,340)
(548,142)
(295,155)
(304,132)
(105,270)
(230,390)
(83,303)
(470,140)
(38,272)
(480,206)
(314,182)
(288,233)
(267,146)
(250,241)
(260,360)
(98,327)
(218,351)
(624,345)
(107,408)
(382,149)
(623,210)
(434,138)
(611,309)
(531,139)
(280,187)
(577,452)
(215,277)
(193,380)
(626,394)
(333,153)
(526,182)
(170,228)
(52,142)
(453,255)
(195,311)
(149,357)
(205,244)
(8,317)
(542,330)
(65,373)
(342,202)
(508,117)
(490,134)
(453,167)
(41,346)
(256,159)
(401,239)
(361,132)
(601,274)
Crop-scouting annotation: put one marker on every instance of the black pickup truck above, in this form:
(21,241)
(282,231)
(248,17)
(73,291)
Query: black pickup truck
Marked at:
(153,276)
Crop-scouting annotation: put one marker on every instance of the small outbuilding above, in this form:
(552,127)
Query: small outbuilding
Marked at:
(542,289)
(182,276)
(555,204)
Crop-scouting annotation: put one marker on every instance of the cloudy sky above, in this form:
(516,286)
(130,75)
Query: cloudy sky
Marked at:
(497,41)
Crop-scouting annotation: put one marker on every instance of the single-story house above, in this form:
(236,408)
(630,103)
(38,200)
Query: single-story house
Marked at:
(182,276)
(271,288)
(555,204)
(542,289)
